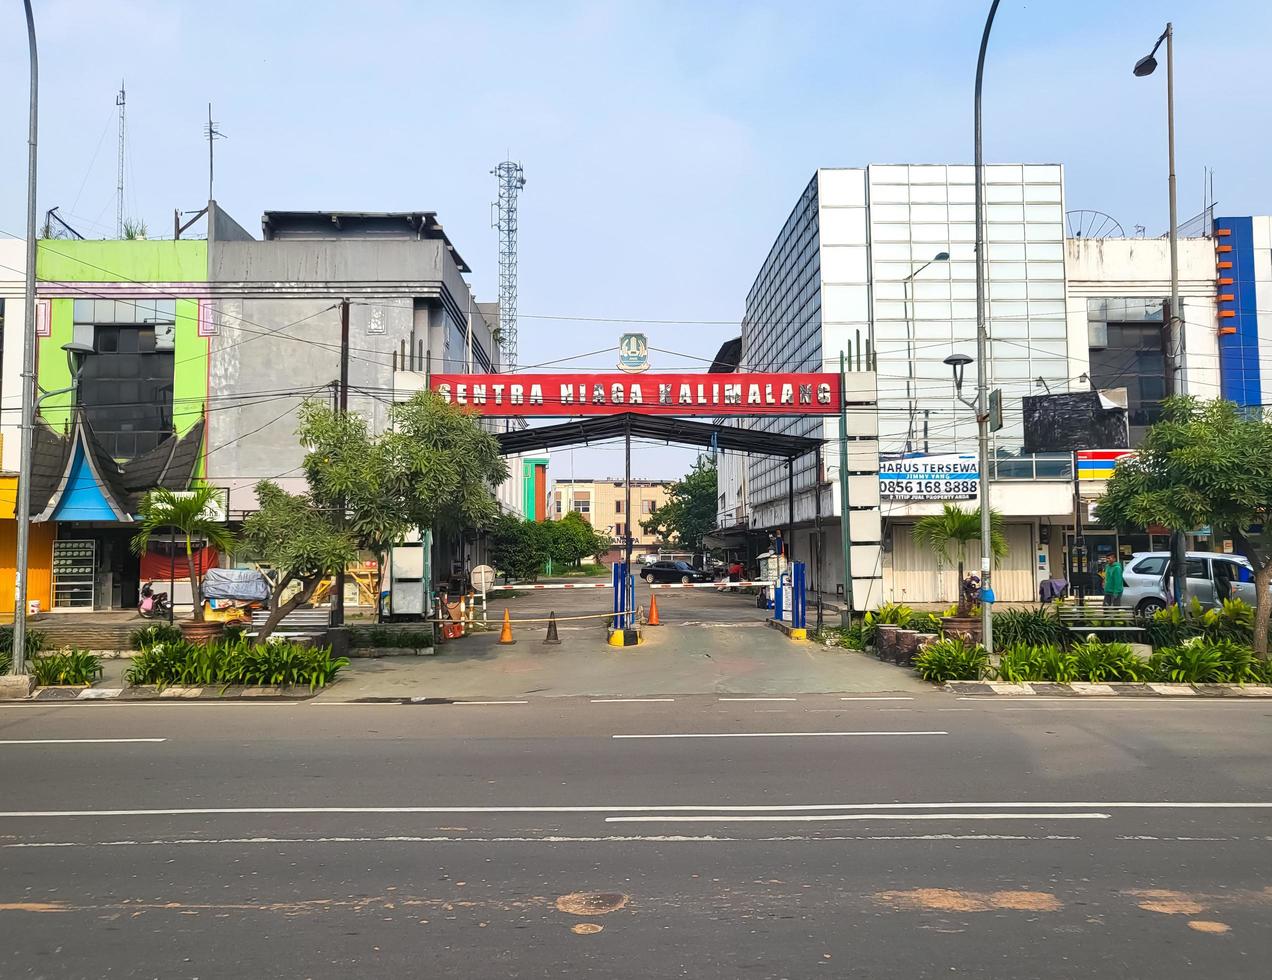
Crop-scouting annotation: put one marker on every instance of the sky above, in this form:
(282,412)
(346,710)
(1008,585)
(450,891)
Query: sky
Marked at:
(663,143)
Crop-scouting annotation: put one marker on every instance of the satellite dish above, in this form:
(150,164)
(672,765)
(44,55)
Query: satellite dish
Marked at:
(1092,224)
(483,577)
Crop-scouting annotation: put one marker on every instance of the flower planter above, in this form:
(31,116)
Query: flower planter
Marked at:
(203,632)
(968,627)
(905,647)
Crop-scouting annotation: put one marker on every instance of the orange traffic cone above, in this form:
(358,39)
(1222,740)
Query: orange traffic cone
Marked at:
(552,630)
(653,612)
(505,634)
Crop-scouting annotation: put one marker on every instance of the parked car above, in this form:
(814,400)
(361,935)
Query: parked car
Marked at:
(1146,587)
(674,571)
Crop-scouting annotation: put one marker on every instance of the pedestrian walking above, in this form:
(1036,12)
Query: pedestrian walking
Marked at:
(1113,584)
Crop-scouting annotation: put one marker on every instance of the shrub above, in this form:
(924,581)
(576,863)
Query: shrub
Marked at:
(1100,662)
(889,614)
(1233,620)
(34,644)
(952,659)
(68,667)
(852,638)
(1029,627)
(1038,662)
(146,637)
(1196,662)
(235,661)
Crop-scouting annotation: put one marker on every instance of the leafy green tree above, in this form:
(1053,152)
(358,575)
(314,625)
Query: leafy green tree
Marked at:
(690,511)
(949,534)
(1204,462)
(434,467)
(518,548)
(300,540)
(193,515)
(572,539)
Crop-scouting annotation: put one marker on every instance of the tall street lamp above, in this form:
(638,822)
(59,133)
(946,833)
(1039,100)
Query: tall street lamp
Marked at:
(23,509)
(982,352)
(1174,331)
(909,341)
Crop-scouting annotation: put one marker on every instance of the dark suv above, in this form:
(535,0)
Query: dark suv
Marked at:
(674,571)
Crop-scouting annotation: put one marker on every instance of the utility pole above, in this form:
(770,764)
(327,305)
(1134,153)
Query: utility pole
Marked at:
(120,100)
(845,529)
(982,355)
(337,601)
(23,510)
(212,133)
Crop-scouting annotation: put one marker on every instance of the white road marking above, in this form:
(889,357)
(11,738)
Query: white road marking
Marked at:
(757,699)
(774,734)
(629,700)
(840,817)
(548,839)
(490,702)
(74,741)
(876,699)
(638,808)
(1126,699)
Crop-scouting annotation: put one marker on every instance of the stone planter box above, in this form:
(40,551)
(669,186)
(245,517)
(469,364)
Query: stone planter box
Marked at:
(371,653)
(968,627)
(197,632)
(905,647)
(885,641)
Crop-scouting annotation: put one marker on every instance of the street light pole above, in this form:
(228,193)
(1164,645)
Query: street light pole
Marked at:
(23,510)
(982,352)
(1175,329)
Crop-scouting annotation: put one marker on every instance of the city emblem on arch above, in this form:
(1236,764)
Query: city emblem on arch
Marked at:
(633,353)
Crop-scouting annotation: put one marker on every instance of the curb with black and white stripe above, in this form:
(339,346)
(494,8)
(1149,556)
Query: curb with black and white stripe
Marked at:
(1078,689)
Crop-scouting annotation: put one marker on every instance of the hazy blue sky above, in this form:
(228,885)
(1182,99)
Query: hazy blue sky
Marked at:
(664,143)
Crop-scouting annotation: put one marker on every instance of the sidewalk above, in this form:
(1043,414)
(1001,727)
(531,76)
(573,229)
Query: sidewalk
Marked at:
(734,660)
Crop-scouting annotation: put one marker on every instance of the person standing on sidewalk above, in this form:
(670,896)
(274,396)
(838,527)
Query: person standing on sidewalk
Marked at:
(1113,584)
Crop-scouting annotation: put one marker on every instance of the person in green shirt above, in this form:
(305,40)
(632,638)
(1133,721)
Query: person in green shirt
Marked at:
(1113,585)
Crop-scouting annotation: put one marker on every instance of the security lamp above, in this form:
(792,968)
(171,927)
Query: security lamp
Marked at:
(75,357)
(941,257)
(957,363)
(1148,64)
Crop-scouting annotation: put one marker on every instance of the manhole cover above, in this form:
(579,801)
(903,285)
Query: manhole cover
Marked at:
(591,903)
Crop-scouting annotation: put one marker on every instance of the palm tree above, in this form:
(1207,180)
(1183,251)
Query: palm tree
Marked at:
(190,513)
(953,530)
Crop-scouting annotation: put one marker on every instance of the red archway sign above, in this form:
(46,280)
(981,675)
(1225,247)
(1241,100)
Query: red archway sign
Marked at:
(545,395)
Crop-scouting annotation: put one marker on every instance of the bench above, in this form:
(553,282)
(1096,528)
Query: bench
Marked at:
(1092,616)
(302,621)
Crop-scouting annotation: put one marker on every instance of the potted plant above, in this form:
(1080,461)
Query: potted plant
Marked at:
(949,535)
(191,514)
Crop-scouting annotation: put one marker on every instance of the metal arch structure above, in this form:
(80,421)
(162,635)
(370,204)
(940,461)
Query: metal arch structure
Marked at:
(1092,224)
(512,179)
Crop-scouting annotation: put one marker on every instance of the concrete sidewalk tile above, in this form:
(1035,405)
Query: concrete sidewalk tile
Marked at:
(1219,690)
(968,687)
(999,687)
(181,692)
(1050,687)
(1255,690)
(99,693)
(1089,689)
(261,692)
(1185,690)
(1130,690)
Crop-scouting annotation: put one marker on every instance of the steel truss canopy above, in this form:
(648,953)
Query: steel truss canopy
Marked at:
(660,428)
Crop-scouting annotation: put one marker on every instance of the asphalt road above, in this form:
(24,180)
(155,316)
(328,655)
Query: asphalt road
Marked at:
(913,836)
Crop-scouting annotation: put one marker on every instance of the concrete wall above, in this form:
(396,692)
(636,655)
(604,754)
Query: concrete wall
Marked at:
(12,272)
(333,265)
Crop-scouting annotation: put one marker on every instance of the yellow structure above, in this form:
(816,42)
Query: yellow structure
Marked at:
(602,504)
(40,565)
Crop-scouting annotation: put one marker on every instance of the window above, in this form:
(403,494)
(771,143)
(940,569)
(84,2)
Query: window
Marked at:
(647,506)
(1198,568)
(618,506)
(582,505)
(1150,566)
(558,505)
(620,530)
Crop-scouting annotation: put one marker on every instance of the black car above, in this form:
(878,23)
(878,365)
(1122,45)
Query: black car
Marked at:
(674,571)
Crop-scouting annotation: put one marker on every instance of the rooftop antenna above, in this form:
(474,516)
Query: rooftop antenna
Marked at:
(511,179)
(120,101)
(212,133)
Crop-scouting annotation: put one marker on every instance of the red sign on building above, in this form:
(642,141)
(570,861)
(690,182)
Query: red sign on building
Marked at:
(647,394)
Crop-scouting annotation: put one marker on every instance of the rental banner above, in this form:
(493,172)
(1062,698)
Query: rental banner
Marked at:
(646,394)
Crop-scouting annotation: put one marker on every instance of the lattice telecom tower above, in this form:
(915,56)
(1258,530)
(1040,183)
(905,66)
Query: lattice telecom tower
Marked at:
(511,179)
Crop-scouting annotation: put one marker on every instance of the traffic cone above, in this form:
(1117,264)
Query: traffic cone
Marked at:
(653,612)
(505,634)
(552,630)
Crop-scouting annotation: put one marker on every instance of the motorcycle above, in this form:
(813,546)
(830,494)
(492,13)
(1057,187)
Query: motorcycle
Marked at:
(153,605)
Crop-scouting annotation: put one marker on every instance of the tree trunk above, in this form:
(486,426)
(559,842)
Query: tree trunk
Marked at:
(964,610)
(1262,608)
(381,558)
(278,612)
(194,582)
